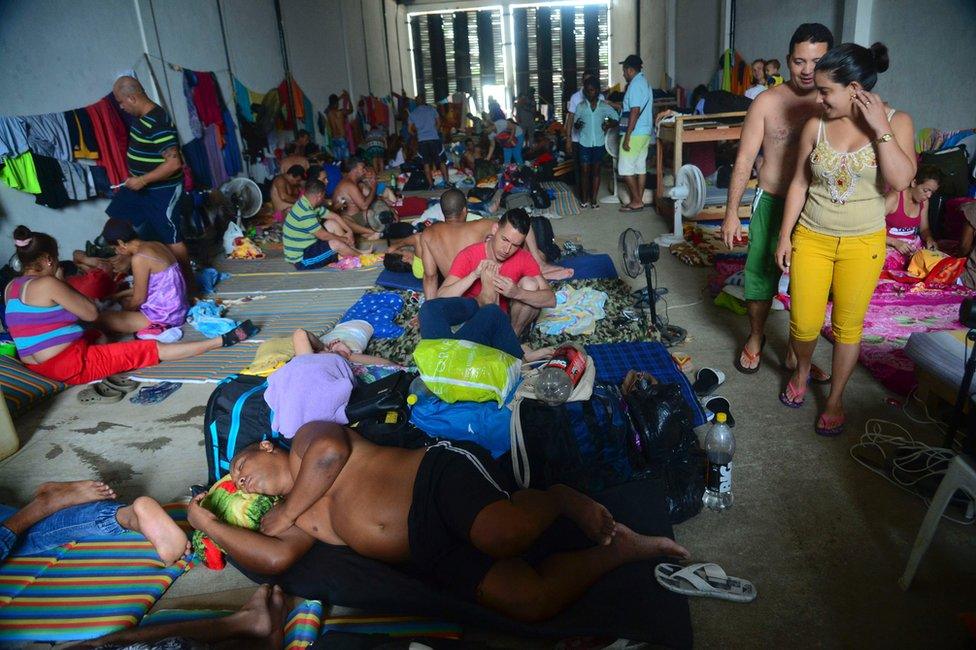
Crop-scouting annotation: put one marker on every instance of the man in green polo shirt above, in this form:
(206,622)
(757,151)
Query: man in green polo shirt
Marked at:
(308,244)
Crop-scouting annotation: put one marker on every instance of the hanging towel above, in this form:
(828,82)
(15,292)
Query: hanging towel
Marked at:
(232,151)
(47,135)
(112,137)
(19,173)
(243,98)
(13,137)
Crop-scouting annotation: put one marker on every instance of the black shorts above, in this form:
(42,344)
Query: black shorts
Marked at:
(430,151)
(455,482)
(316,256)
(152,212)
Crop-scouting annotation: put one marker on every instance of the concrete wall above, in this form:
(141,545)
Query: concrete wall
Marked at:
(763,27)
(697,41)
(932,54)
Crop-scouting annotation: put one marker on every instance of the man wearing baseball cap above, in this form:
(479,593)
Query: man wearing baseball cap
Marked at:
(637,111)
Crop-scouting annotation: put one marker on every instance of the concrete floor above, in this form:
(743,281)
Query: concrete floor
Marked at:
(823,540)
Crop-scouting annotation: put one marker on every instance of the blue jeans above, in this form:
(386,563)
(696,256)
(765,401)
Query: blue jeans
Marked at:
(487,325)
(514,154)
(68,525)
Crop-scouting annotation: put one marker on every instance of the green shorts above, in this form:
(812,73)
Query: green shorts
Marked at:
(761,273)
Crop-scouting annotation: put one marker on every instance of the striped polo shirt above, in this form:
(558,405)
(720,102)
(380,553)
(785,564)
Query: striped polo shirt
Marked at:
(300,227)
(149,136)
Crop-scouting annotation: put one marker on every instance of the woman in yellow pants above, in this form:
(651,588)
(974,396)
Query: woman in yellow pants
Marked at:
(847,157)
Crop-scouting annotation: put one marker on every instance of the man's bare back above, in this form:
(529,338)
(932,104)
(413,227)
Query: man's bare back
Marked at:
(367,506)
(337,122)
(784,111)
(443,241)
(283,194)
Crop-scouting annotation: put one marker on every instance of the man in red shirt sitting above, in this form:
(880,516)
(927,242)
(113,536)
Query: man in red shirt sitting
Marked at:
(500,272)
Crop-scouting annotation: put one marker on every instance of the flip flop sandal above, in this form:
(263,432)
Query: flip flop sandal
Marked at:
(829,426)
(121,383)
(707,380)
(100,393)
(704,579)
(814,369)
(718,404)
(792,397)
(751,357)
(155,394)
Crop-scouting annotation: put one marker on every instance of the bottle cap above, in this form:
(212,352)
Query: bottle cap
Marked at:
(411,399)
(719,417)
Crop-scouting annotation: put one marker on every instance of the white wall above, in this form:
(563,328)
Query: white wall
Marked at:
(932,57)
(697,42)
(763,27)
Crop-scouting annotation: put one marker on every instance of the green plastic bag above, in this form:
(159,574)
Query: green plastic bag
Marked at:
(462,371)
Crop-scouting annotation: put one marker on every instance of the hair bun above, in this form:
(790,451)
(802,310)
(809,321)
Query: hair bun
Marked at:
(879,52)
(22,236)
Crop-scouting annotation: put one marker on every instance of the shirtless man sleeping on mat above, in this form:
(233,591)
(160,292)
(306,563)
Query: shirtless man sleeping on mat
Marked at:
(439,509)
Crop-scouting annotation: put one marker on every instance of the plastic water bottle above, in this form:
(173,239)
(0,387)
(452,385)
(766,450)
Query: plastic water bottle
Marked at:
(719,447)
(418,391)
(393,182)
(559,376)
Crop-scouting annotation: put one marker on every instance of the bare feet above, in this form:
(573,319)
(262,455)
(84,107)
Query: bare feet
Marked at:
(160,529)
(634,546)
(52,497)
(529,355)
(256,614)
(553,272)
(279,612)
(592,518)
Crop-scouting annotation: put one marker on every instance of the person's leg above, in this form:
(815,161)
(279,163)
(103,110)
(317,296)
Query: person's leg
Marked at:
(549,271)
(508,154)
(444,174)
(584,184)
(523,315)
(122,322)
(147,517)
(856,272)
(437,317)
(507,529)
(357,228)
(533,594)
(631,182)
(50,498)
(595,180)
(811,274)
(761,273)
(517,151)
(490,326)
(262,617)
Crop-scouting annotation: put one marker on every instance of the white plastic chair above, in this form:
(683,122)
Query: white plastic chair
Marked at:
(961,475)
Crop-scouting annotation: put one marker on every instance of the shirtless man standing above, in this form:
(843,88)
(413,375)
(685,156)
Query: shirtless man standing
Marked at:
(440,509)
(286,188)
(354,195)
(337,117)
(773,123)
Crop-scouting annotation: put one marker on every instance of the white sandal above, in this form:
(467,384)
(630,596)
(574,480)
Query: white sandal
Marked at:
(704,579)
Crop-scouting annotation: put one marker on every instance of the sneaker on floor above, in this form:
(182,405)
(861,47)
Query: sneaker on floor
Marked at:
(161,333)
(584,205)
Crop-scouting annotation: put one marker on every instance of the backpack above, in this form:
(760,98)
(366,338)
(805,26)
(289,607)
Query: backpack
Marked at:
(546,238)
(540,196)
(236,416)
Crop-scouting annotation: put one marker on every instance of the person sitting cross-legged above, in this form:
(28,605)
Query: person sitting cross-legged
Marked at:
(308,242)
(441,510)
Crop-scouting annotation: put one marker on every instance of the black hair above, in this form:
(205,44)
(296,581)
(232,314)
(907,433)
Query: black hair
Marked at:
(812,33)
(333,100)
(350,163)
(314,171)
(518,219)
(698,93)
(929,173)
(394,262)
(755,61)
(32,246)
(592,82)
(453,203)
(296,170)
(315,186)
(302,132)
(851,62)
(290,148)
(116,230)
(775,63)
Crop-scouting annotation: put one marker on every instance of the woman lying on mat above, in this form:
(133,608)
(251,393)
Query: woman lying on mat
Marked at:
(67,512)
(155,306)
(44,316)
(307,343)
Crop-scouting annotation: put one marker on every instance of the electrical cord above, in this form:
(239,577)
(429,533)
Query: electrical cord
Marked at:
(905,462)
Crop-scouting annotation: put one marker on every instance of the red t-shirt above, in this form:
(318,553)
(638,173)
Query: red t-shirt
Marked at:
(518,266)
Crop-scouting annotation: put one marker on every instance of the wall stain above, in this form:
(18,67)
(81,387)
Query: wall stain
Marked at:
(112,472)
(184,418)
(56,450)
(150,445)
(100,427)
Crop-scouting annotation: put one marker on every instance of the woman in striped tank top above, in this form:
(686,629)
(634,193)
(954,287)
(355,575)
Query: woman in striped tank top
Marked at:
(45,315)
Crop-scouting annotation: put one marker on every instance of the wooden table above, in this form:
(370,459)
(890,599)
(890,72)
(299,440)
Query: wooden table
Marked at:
(687,129)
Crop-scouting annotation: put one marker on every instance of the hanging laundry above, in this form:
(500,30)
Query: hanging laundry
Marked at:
(87,144)
(195,156)
(189,81)
(47,135)
(78,182)
(232,151)
(112,137)
(53,193)
(13,137)
(206,98)
(243,98)
(215,158)
(20,173)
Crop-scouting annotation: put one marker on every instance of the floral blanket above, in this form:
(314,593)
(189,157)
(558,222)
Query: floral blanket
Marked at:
(896,311)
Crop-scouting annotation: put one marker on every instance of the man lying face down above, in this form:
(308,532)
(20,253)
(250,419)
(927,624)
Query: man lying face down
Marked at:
(439,509)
